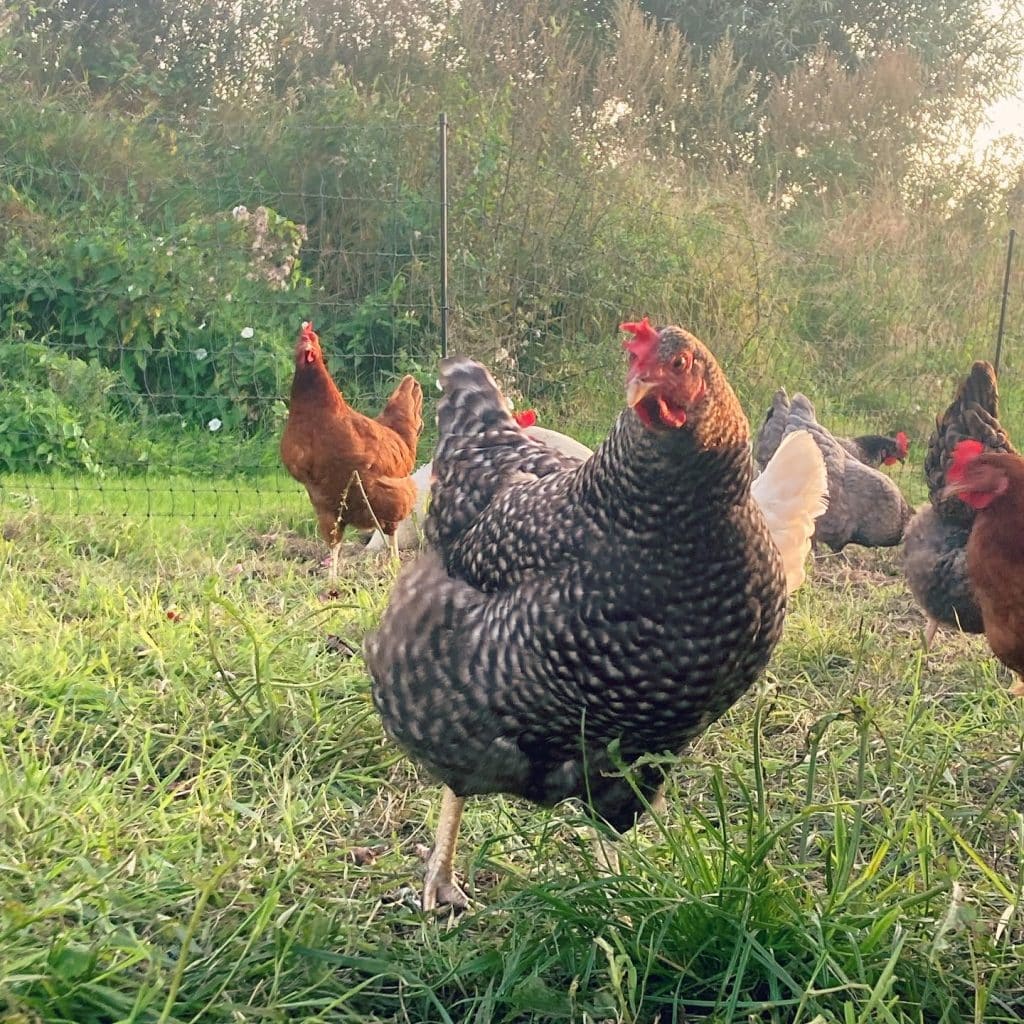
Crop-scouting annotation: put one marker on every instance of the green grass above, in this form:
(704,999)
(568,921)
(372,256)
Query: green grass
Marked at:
(201,821)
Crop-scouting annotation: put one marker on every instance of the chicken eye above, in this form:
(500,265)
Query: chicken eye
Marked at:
(679,363)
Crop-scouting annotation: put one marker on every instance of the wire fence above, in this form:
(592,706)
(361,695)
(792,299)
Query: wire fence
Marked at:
(162,384)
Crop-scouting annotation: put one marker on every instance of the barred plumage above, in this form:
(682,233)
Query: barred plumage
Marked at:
(628,600)
(935,544)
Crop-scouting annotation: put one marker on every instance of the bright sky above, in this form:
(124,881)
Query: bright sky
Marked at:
(1007,117)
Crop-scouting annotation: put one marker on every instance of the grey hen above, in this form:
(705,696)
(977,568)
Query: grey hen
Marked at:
(567,608)
(872,449)
(864,506)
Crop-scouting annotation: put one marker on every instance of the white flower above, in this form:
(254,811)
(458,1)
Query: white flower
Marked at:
(201,326)
(214,425)
(247,332)
(201,354)
(240,213)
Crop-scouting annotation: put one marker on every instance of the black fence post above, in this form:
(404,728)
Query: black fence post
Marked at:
(442,132)
(1006,292)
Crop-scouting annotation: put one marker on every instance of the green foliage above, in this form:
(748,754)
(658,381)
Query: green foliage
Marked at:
(601,166)
(172,314)
(55,411)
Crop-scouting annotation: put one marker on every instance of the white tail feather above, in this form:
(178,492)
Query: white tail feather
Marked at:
(792,492)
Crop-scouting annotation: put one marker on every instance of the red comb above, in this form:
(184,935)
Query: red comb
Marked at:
(644,341)
(902,443)
(526,418)
(963,455)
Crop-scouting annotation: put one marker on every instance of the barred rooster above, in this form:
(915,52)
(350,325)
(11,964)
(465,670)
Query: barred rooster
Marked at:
(935,544)
(567,607)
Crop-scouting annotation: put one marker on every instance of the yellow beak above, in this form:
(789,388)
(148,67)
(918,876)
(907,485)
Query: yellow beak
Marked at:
(637,390)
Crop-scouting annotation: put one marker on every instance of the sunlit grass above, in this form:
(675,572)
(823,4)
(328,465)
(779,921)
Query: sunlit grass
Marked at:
(201,821)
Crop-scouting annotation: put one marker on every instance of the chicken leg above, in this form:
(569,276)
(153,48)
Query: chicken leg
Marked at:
(393,545)
(930,630)
(332,572)
(606,855)
(439,889)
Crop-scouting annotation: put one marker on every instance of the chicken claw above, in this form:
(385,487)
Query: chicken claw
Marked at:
(439,889)
(930,631)
(606,855)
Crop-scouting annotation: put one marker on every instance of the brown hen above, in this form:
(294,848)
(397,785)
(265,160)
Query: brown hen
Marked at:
(992,485)
(355,469)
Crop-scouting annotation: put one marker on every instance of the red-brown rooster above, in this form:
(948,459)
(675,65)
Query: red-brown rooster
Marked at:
(992,484)
(568,608)
(355,469)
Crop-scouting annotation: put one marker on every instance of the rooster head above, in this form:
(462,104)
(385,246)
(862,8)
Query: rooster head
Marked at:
(975,476)
(898,452)
(307,348)
(667,377)
(525,418)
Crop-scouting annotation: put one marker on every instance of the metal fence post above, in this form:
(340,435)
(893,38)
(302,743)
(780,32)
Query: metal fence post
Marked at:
(442,132)
(1006,292)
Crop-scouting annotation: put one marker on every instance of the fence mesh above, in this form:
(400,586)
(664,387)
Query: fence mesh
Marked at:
(187,299)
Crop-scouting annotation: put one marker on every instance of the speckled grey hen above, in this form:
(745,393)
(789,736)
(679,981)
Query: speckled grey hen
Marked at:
(566,606)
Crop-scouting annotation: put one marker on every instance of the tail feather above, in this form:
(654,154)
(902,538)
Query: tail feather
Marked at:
(973,414)
(480,450)
(770,435)
(472,404)
(403,411)
(981,387)
(792,492)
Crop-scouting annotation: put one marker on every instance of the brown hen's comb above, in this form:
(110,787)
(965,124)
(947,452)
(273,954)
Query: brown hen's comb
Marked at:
(525,418)
(963,455)
(902,444)
(644,341)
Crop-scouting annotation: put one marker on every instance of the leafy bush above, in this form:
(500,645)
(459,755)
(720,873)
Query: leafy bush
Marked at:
(55,411)
(175,314)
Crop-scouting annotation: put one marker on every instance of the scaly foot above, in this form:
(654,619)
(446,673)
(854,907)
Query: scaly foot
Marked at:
(439,892)
(439,888)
